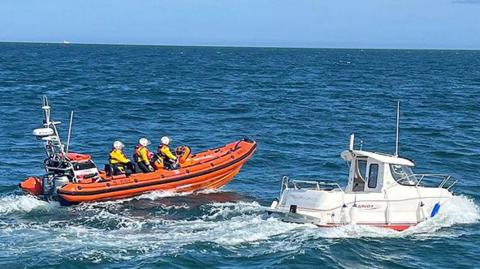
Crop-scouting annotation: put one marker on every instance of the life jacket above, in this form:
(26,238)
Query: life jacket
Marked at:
(110,155)
(160,152)
(136,156)
(113,160)
(136,153)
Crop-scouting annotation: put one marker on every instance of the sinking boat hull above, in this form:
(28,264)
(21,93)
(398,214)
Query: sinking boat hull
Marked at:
(335,208)
(211,169)
(304,219)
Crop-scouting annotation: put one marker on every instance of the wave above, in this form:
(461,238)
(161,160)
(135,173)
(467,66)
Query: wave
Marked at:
(23,203)
(459,210)
(233,225)
(229,209)
(154,195)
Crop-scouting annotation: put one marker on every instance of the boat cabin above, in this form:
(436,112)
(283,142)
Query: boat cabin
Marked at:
(373,172)
(75,166)
(83,166)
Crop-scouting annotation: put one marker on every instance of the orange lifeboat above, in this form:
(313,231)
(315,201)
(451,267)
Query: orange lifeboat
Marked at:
(74,178)
(210,169)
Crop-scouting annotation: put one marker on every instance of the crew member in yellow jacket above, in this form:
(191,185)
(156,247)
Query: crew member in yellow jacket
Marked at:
(119,163)
(169,160)
(141,155)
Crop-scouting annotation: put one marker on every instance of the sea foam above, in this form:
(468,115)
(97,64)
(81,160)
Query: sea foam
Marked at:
(23,203)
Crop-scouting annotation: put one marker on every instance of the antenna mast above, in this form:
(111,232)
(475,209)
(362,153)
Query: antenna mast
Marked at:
(53,144)
(69,131)
(397,135)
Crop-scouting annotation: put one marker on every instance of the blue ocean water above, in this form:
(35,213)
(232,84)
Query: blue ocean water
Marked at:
(299,104)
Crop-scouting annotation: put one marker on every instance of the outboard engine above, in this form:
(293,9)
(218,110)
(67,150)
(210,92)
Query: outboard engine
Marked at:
(51,183)
(59,182)
(48,185)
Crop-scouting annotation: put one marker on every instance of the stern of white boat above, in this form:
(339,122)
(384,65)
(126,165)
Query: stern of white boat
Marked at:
(305,201)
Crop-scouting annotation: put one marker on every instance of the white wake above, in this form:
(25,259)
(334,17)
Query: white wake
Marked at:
(109,231)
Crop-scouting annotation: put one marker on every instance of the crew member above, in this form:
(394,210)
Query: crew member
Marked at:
(169,160)
(141,155)
(119,163)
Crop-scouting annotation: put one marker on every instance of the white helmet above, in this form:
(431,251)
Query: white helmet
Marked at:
(143,141)
(118,145)
(165,140)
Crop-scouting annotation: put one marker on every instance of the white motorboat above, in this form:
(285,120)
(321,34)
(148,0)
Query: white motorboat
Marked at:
(382,191)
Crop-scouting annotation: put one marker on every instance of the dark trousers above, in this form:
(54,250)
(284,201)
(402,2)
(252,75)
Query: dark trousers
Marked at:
(167,163)
(128,168)
(143,167)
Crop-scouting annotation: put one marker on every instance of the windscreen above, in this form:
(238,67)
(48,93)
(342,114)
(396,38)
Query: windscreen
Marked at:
(403,174)
(83,165)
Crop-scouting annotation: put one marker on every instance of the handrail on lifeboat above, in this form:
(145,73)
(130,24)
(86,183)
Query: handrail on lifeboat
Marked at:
(319,185)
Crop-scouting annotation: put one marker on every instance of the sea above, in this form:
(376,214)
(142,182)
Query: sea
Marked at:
(300,105)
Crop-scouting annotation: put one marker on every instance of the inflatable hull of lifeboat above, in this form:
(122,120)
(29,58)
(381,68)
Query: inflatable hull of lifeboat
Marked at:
(210,169)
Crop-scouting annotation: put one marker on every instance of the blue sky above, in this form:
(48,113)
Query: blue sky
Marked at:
(280,23)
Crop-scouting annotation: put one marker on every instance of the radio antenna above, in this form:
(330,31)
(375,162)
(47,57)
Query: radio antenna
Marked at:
(397,134)
(69,131)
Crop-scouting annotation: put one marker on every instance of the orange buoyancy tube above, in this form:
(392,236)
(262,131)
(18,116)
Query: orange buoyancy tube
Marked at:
(211,169)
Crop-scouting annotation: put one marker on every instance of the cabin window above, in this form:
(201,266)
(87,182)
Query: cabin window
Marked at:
(362,168)
(360,174)
(83,165)
(403,174)
(373,176)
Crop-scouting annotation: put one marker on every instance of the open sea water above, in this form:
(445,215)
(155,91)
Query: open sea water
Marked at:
(299,104)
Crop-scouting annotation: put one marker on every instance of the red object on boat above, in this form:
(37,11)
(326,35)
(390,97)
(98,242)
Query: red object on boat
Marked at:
(396,227)
(77,157)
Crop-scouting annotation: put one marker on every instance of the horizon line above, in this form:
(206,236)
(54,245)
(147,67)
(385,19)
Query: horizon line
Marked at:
(232,46)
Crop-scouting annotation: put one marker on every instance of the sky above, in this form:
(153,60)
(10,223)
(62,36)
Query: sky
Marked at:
(419,24)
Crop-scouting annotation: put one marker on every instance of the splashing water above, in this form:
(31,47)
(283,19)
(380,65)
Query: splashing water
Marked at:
(234,226)
(459,210)
(23,204)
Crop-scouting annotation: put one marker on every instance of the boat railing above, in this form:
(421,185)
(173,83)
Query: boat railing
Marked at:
(446,181)
(317,184)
